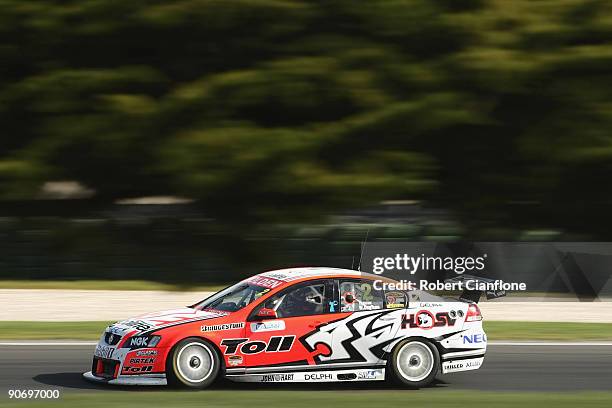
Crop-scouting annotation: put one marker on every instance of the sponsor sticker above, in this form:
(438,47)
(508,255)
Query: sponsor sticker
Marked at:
(395,300)
(424,319)
(265,282)
(142,360)
(277,377)
(368,375)
(269,325)
(221,327)
(318,377)
(146,353)
(104,351)
(461,365)
(137,370)
(139,341)
(234,360)
(137,324)
(474,338)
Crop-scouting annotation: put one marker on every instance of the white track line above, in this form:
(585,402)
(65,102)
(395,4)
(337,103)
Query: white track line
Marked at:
(492,343)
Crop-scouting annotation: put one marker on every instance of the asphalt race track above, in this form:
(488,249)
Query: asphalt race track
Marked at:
(576,367)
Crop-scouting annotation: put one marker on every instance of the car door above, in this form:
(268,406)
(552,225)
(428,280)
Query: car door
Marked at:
(299,311)
(367,325)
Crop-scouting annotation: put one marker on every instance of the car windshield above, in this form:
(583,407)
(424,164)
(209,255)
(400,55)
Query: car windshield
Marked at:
(232,298)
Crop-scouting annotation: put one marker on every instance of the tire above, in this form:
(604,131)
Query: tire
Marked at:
(193,363)
(415,362)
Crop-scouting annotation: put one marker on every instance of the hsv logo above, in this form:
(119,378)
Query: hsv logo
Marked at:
(425,319)
(275,344)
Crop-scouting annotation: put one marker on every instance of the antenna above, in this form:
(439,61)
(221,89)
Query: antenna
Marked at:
(363,249)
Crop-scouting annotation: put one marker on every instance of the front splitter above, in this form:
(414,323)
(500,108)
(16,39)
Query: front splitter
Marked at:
(156,379)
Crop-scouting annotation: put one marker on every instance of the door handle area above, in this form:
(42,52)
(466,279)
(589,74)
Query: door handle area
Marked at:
(316,323)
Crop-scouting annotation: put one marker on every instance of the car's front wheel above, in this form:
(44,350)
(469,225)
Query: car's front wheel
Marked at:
(194,363)
(415,362)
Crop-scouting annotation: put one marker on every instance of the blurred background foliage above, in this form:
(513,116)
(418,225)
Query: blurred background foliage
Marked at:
(268,113)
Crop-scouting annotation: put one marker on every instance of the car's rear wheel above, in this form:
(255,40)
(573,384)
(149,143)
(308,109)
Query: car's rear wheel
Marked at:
(415,362)
(194,363)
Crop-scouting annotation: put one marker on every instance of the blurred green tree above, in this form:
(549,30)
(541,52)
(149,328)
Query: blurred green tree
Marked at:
(268,110)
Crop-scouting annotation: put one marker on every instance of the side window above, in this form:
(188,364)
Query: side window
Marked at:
(356,295)
(303,300)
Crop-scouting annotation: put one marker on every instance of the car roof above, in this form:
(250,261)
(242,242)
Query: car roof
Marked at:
(307,273)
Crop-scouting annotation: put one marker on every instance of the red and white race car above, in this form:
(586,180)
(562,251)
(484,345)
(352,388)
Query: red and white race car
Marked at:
(296,325)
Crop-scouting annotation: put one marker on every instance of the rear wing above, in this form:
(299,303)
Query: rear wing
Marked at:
(473,295)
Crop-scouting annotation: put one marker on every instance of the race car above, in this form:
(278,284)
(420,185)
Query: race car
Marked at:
(296,325)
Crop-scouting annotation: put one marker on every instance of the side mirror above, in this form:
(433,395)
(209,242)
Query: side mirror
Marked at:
(349,298)
(266,313)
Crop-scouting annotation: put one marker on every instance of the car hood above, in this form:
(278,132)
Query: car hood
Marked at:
(158,320)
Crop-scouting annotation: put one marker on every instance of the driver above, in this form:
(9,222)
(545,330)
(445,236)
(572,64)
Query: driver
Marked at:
(301,302)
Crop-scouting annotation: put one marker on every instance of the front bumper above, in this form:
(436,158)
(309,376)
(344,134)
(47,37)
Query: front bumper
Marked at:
(144,379)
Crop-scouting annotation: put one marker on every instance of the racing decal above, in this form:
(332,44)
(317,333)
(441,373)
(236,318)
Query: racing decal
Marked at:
(368,374)
(426,304)
(137,324)
(318,377)
(137,342)
(364,374)
(104,351)
(136,370)
(277,377)
(396,300)
(275,344)
(162,320)
(361,337)
(268,325)
(142,360)
(424,319)
(221,327)
(234,360)
(146,353)
(266,282)
(461,365)
(477,338)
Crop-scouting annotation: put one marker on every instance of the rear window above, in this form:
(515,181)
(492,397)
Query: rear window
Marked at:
(357,295)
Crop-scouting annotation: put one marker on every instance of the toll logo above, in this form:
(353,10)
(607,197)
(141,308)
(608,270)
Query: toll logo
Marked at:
(274,345)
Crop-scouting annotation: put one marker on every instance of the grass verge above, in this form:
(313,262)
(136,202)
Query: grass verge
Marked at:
(495,330)
(298,399)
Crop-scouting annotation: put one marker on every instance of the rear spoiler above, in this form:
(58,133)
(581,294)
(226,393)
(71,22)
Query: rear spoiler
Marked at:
(474,295)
